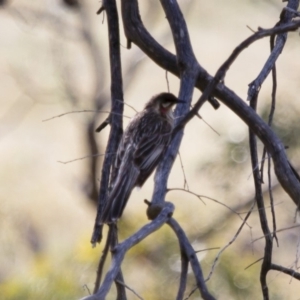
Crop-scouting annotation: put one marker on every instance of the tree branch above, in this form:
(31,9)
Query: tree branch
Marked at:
(183,274)
(187,65)
(287,271)
(267,259)
(136,32)
(119,280)
(102,260)
(191,74)
(285,17)
(192,257)
(117,106)
(118,253)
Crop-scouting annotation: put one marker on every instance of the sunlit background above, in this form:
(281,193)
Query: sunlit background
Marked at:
(54,60)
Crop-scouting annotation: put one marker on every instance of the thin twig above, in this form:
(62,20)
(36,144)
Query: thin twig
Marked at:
(207,249)
(254,263)
(191,293)
(295,263)
(261,162)
(205,122)
(206,197)
(84,111)
(272,201)
(273,103)
(277,231)
(103,124)
(229,243)
(185,183)
(252,30)
(87,288)
(130,106)
(130,289)
(269,206)
(167,80)
(100,10)
(297,253)
(214,130)
(81,158)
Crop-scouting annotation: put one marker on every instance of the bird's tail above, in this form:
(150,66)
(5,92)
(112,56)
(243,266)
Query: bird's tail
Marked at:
(119,196)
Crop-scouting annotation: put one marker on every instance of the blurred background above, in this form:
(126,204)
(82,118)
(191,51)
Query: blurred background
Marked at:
(54,62)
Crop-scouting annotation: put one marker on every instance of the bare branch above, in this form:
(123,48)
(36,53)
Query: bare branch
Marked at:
(260,259)
(183,273)
(102,261)
(220,75)
(84,111)
(229,243)
(167,80)
(192,257)
(187,65)
(285,17)
(205,122)
(207,249)
(116,111)
(80,158)
(209,198)
(277,231)
(261,210)
(130,289)
(103,124)
(191,74)
(272,201)
(273,103)
(119,279)
(120,250)
(185,183)
(136,32)
(287,271)
(128,105)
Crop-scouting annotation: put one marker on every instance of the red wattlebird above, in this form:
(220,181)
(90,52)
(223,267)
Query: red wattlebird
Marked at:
(142,147)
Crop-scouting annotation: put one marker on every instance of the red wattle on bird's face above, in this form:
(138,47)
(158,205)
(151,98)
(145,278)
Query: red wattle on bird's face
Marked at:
(163,110)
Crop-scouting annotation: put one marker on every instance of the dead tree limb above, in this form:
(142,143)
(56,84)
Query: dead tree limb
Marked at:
(117,106)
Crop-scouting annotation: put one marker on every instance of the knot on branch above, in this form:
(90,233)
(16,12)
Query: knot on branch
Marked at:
(253,90)
(103,124)
(154,210)
(100,10)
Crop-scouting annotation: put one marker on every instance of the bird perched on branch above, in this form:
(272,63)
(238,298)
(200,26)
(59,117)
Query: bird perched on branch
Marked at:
(140,150)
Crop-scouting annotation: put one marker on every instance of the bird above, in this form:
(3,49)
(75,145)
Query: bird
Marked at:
(141,148)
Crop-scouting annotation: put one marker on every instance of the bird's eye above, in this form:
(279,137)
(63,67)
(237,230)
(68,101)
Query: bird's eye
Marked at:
(165,104)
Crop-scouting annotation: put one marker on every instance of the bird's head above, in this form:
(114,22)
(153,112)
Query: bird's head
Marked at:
(163,103)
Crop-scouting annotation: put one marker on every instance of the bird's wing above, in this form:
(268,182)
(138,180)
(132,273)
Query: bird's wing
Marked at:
(125,181)
(149,150)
